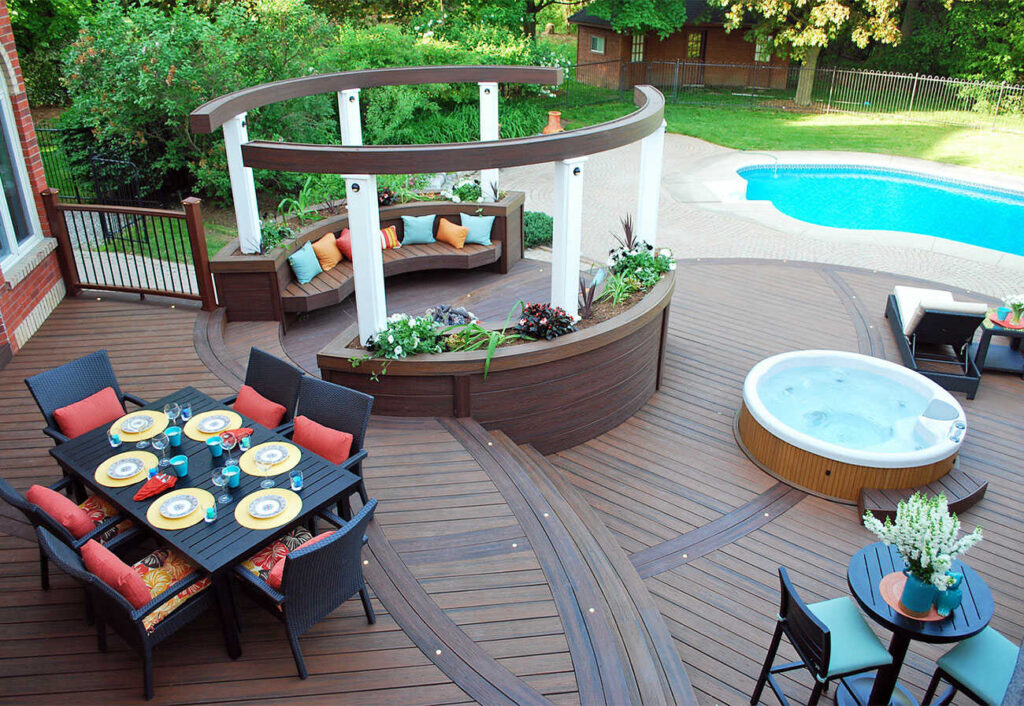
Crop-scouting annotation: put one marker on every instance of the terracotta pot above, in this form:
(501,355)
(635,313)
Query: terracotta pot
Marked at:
(554,123)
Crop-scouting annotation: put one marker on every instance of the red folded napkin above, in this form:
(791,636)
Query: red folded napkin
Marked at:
(156,485)
(236,434)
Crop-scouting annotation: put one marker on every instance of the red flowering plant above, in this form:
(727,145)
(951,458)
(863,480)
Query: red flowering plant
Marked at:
(544,321)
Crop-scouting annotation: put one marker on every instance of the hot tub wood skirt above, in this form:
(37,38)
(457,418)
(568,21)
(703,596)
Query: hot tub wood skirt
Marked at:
(823,476)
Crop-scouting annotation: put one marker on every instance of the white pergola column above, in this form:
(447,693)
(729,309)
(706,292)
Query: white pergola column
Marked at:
(489,130)
(348,115)
(652,150)
(243,186)
(367,259)
(568,230)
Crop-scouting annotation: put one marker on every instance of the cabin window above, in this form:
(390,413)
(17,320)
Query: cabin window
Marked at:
(596,44)
(695,46)
(637,50)
(762,50)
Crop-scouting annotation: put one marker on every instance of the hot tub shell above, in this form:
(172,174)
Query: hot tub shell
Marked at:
(832,471)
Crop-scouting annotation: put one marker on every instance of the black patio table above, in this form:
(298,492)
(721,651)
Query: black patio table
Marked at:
(214,547)
(866,570)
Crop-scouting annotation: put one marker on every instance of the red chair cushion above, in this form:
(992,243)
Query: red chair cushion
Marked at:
(277,570)
(97,409)
(62,509)
(258,408)
(325,442)
(115,573)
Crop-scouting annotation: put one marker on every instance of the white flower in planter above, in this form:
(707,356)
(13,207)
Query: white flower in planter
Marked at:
(456,199)
(672,265)
(399,351)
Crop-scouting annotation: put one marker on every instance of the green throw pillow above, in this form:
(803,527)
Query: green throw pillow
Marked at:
(479,228)
(418,230)
(305,264)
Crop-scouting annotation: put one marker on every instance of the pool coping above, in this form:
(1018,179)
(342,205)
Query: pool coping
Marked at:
(715,184)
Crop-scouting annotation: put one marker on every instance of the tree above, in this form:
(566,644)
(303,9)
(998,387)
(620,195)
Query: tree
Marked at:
(641,16)
(799,30)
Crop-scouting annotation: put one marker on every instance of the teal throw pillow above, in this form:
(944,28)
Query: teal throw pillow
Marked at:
(418,230)
(305,264)
(479,228)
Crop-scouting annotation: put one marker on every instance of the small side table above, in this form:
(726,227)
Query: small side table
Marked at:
(866,570)
(1003,358)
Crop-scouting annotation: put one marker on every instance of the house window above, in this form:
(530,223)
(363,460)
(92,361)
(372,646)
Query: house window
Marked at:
(637,50)
(695,46)
(762,51)
(596,44)
(19,223)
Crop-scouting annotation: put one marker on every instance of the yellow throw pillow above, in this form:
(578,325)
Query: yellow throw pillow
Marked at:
(389,238)
(448,232)
(327,251)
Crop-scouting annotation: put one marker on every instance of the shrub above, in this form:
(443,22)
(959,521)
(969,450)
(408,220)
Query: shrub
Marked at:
(538,229)
(406,335)
(544,321)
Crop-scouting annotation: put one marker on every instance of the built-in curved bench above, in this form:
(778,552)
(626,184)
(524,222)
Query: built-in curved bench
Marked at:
(263,288)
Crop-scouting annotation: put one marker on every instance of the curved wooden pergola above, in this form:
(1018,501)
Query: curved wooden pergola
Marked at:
(361,163)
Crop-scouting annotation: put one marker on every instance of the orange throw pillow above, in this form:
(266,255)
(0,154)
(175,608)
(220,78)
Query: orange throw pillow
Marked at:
(115,573)
(344,243)
(448,232)
(327,252)
(62,509)
(277,570)
(97,409)
(325,442)
(258,408)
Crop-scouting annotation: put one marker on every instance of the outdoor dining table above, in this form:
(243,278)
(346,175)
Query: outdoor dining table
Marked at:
(217,546)
(865,572)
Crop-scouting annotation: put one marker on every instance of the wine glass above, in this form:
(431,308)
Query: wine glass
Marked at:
(160,442)
(172,410)
(228,443)
(221,481)
(186,411)
(264,468)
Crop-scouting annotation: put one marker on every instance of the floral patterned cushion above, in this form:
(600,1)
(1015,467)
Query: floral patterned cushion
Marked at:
(99,510)
(263,561)
(160,570)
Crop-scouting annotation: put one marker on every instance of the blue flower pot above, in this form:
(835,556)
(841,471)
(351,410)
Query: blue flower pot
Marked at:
(918,596)
(947,601)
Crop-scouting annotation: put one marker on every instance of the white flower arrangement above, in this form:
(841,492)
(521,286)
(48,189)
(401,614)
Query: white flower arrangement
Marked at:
(926,535)
(1016,304)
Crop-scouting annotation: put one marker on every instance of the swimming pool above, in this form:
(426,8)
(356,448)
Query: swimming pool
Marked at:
(868,198)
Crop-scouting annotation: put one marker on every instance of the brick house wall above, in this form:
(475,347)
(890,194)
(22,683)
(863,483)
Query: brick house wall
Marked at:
(721,47)
(33,287)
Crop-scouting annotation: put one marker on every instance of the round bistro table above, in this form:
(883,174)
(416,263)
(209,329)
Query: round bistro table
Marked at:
(866,570)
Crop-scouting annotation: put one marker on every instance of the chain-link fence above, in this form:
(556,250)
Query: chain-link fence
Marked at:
(927,99)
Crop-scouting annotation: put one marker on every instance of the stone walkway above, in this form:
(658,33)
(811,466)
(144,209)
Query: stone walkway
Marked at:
(696,228)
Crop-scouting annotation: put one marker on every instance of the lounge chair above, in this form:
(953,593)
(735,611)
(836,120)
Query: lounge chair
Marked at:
(931,327)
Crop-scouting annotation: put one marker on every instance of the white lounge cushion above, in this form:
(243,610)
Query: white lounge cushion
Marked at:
(912,302)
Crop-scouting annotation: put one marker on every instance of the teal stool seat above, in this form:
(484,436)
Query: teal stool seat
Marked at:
(854,646)
(983,664)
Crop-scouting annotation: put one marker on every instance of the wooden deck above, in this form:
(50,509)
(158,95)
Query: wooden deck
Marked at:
(638,567)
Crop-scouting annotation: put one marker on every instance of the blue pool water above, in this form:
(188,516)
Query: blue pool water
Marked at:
(883,199)
(852,408)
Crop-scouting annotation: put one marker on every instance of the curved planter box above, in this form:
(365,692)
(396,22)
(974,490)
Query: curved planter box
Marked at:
(551,394)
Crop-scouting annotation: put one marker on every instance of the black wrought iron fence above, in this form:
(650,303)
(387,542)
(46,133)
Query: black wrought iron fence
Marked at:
(926,99)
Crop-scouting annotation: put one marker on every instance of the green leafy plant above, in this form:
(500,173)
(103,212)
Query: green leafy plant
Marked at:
(273,234)
(538,229)
(636,260)
(473,336)
(545,321)
(587,292)
(465,191)
(618,288)
(301,206)
(403,188)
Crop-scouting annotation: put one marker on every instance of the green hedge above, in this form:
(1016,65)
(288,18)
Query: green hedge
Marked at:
(538,229)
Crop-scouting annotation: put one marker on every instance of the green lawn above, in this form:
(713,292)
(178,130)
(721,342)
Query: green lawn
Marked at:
(782,130)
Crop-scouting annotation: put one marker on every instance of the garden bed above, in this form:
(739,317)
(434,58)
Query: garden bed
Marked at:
(552,394)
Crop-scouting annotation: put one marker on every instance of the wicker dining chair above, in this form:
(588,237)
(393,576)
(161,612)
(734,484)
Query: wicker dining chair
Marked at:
(343,409)
(316,580)
(273,378)
(38,517)
(112,609)
(73,382)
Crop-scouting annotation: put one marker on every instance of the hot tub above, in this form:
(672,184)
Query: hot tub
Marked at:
(833,423)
